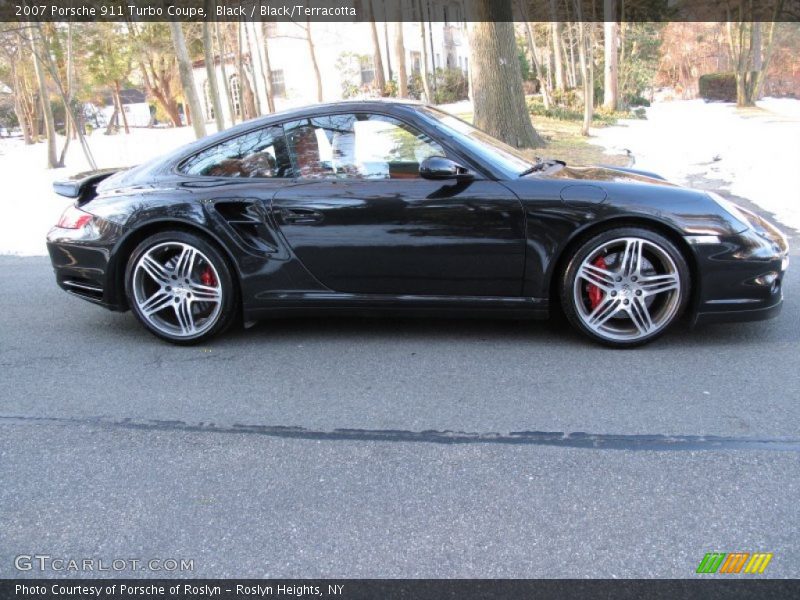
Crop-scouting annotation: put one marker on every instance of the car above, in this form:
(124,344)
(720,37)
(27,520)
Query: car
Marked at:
(390,207)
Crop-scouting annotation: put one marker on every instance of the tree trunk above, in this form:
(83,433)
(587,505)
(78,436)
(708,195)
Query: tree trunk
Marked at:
(246,103)
(573,77)
(47,110)
(377,60)
(499,99)
(400,57)
(187,80)
(120,107)
(211,73)
(386,39)
(251,66)
(759,84)
(226,84)
(558,65)
(267,70)
(756,64)
(68,124)
(156,90)
(610,33)
(423,67)
(587,75)
(313,54)
(535,56)
(19,110)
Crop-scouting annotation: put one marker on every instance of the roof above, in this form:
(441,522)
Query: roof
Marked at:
(127,96)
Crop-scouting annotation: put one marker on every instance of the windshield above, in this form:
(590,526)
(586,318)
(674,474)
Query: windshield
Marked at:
(482,146)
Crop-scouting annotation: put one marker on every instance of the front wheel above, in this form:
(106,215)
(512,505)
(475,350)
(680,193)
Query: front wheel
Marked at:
(625,287)
(180,287)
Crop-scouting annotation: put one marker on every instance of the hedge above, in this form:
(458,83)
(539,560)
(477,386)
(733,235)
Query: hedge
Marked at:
(719,87)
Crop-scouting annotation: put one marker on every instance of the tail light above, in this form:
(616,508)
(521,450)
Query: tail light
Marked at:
(74,218)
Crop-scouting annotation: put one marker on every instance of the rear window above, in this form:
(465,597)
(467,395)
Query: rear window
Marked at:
(259,153)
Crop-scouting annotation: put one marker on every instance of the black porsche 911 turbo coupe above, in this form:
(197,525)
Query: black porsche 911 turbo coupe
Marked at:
(399,207)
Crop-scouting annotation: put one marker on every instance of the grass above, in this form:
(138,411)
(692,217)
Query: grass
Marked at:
(565,142)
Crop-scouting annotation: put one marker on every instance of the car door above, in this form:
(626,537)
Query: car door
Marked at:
(363,221)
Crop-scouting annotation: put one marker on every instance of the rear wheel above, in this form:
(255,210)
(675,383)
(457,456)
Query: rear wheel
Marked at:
(180,287)
(625,287)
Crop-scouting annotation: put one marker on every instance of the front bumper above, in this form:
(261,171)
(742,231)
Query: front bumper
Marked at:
(740,315)
(741,276)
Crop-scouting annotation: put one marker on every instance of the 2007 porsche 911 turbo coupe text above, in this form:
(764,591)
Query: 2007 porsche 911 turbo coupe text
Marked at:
(399,207)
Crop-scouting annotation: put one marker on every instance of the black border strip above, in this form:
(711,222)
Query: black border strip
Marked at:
(394,10)
(418,589)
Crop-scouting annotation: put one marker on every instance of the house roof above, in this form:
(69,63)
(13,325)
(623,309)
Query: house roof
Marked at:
(127,96)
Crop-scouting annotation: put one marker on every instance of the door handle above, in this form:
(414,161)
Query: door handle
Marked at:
(300,215)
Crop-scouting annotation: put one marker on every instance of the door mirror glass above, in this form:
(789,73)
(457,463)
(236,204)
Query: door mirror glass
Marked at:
(439,167)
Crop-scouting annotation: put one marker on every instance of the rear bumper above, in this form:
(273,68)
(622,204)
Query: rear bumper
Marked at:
(82,267)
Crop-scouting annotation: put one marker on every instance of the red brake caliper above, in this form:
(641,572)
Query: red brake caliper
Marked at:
(207,277)
(594,292)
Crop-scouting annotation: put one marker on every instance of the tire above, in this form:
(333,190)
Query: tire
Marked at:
(181,288)
(625,287)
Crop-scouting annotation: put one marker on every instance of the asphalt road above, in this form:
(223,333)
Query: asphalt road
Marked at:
(116,445)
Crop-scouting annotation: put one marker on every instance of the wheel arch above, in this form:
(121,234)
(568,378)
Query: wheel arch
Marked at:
(666,229)
(122,252)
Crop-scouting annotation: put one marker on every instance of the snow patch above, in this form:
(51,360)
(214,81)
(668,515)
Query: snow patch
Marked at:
(750,153)
(29,205)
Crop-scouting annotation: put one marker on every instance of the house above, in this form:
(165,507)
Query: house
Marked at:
(344,54)
(134,104)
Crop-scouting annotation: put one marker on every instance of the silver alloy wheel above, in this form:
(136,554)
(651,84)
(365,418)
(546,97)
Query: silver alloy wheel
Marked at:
(638,291)
(177,289)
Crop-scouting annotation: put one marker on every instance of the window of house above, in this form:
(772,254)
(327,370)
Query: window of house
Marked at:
(278,83)
(416,61)
(236,95)
(361,146)
(367,70)
(209,103)
(260,153)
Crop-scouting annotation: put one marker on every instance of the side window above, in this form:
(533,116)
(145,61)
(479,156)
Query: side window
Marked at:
(362,146)
(260,153)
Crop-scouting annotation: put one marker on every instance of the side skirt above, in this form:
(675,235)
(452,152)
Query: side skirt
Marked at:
(274,304)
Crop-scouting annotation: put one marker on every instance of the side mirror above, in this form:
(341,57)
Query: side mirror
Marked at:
(439,167)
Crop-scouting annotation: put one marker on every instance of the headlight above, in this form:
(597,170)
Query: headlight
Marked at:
(730,208)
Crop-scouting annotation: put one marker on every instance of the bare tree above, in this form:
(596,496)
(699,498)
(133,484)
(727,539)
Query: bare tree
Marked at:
(400,57)
(255,57)
(610,35)
(12,46)
(266,66)
(587,73)
(535,56)
(499,99)
(377,60)
(246,100)
(156,63)
(211,71)
(187,80)
(223,59)
(555,29)
(47,110)
(426,86)
(745,49)
(314,63)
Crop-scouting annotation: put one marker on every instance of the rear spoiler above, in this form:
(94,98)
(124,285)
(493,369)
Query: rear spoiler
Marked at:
(83,185)
(649,174)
